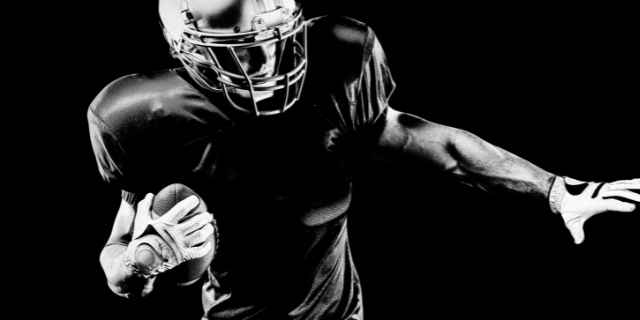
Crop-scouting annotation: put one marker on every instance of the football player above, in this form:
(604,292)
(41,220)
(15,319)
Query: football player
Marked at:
(254,72)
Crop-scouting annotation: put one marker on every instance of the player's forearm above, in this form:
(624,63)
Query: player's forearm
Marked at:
(463,155)
(489,167)
(120,278)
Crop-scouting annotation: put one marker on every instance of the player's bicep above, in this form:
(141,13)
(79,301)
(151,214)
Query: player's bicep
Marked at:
(123,224)
(405,134)
(395,135)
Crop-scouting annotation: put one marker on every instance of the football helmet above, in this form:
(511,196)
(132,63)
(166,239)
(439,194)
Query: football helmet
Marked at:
(260,69)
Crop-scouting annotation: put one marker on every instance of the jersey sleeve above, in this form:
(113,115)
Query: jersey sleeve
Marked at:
(150,130)
(109,156)
(375,87)
(348,65)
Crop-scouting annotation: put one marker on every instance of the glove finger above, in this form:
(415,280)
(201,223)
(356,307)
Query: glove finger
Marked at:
(196,222)
(624,194)
(180,210)
(576,228)
(626,182)
(632,184)
(199,236)
(198,251)
(619,206)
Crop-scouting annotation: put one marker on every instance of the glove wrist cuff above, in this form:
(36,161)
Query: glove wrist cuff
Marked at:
(556,194)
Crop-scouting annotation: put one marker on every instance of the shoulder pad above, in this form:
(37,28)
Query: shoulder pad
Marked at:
(135,97)
(157,121)
(339,44)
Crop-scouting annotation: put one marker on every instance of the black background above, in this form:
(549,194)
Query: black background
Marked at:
(556,84)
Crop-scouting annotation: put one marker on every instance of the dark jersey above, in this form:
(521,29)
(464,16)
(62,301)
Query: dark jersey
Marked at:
(279,186)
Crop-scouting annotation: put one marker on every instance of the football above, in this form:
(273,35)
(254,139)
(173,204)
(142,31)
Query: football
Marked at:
(189,271)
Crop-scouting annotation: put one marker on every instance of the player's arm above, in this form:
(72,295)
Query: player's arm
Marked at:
(476,162)
(463,155)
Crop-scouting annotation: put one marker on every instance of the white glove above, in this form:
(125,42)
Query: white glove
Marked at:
(172,240)
(576,201)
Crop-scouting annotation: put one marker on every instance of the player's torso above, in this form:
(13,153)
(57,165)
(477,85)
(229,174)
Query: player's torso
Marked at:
(290,160)
(279,186)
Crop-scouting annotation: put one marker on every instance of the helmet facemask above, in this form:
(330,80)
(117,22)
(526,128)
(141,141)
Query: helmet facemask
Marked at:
(212,58)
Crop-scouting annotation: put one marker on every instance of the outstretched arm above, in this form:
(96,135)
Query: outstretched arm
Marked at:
(476,162)
(464,155)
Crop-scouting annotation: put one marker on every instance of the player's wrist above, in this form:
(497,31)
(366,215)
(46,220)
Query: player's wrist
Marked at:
(556,194)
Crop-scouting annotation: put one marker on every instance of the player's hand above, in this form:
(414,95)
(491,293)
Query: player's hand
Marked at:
(577,201)
(161,243)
